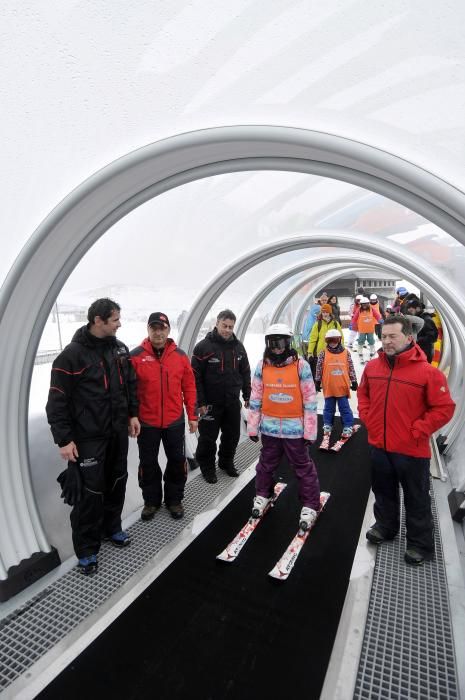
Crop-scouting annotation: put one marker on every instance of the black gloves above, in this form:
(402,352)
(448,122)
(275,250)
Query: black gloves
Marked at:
(317,386)
(70,481)
(309,442)
(254,438)
(354,386)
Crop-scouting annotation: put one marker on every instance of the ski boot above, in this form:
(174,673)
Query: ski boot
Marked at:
(324,445)
(347,433)
(88,565)
(307,518)
(259,505)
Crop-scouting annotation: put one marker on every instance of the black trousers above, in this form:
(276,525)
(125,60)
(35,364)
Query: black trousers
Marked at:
(388,470)
(224,417)
(150,474)
(103,466)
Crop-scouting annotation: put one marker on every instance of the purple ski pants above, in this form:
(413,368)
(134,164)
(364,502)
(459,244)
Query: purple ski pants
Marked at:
(297,454)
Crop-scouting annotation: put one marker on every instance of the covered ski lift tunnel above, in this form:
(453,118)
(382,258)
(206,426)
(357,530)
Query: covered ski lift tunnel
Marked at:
(90,210)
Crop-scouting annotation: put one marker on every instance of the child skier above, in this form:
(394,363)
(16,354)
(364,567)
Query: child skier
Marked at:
(283,409)
(335,372)
(365,319)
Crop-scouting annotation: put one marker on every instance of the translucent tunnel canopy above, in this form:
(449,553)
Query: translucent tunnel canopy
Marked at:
(162,254)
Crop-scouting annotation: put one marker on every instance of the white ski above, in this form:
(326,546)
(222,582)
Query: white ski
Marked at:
(342,441)
(234,548)
(284,566)
(324,445)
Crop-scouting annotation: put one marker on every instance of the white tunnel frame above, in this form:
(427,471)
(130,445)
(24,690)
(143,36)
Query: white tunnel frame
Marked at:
(91,209)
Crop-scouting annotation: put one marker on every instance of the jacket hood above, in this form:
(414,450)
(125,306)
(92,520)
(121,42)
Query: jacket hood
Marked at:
(85,337)
(216,338)
(167,350)
(413,354)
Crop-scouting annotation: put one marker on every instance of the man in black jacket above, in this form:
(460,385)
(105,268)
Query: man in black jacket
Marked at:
(92,407)
(222,371)
(428,334)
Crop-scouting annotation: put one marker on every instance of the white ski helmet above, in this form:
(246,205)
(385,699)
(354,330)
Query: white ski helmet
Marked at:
(333,333)
(364,300)
(358,297)
(279,329)
(373,297)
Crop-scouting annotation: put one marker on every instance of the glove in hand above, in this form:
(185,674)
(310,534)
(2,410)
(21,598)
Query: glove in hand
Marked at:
(254,438)
(70,481)
(354,386)
(317,386)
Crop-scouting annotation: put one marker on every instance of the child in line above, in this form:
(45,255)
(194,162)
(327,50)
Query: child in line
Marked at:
(283,409)
(365,319)
(335,373)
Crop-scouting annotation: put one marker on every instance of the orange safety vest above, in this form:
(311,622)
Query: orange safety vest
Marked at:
(282,397)
(335,379)
(366,322)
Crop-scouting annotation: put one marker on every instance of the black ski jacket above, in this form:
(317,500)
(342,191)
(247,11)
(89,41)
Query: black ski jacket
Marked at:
(427,336)
(221,368)
(92,389)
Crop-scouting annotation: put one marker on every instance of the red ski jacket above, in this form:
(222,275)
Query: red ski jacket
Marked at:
(403,405)
(164,385)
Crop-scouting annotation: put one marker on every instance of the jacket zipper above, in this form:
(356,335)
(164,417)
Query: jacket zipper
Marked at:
(385,404)
(105,380)
(161,392)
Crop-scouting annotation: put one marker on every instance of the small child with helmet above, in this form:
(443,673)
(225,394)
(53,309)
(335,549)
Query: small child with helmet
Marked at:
(376,304)
(283,409)
(353,332)
(335,373)
(365,319)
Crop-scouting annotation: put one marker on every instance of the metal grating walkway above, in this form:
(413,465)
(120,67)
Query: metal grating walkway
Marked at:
(32,630)
(408,648)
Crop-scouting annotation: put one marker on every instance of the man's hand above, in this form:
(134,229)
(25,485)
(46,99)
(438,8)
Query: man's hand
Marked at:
(69,452)
(193,424)
(254,438)
(133,427)
(354,386)
(203,410)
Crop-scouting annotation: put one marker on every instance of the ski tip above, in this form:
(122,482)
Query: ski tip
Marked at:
(277,575)
(225,557)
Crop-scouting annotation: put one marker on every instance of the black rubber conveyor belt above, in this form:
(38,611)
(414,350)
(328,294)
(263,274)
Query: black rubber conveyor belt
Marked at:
(211,630)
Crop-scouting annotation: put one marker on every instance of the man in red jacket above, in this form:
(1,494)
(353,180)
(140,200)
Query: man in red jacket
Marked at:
(165,384)
(402,401)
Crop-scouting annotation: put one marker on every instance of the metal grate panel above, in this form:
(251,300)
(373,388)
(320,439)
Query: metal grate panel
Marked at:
(408,648)
(32,630)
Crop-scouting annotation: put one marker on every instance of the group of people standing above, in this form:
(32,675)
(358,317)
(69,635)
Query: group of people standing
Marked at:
(101,394)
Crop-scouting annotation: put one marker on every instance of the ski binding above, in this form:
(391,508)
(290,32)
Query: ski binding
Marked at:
(232,551)
(284,566)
